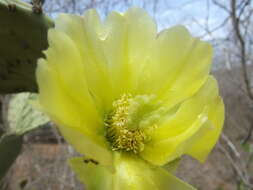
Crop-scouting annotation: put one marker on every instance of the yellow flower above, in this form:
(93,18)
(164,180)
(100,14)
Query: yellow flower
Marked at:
(130,100)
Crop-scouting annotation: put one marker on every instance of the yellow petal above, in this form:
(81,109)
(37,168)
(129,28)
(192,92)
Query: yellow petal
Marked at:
(193,121)
(87,146)
(167,150)
(64,60)
(128,47)
(180,65)
(82,133)
(172,166)
(95,177)
(204,144)
(131,173)
(86,33)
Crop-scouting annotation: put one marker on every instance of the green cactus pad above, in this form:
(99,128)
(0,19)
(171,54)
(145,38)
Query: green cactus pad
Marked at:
(23,36)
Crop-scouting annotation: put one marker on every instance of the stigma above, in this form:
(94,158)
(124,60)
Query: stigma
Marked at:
(129,122)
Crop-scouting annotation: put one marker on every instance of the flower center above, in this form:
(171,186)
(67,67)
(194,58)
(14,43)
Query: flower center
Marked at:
(129,122)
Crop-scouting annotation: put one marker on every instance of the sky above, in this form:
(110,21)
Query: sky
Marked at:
(191,13)
(194,14)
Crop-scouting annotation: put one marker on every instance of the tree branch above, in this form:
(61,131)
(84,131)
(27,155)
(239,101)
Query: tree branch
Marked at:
(236,27)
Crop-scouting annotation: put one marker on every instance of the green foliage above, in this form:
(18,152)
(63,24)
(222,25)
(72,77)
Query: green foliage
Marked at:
(220,188)
(241,186)
(1,130)
(247,147)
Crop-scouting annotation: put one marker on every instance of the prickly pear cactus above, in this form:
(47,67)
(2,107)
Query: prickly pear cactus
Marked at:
(22,118)
(23,36)
(10,147)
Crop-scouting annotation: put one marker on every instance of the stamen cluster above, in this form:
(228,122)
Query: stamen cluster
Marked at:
(119,134)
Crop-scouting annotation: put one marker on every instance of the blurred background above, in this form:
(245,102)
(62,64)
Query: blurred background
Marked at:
(228,25)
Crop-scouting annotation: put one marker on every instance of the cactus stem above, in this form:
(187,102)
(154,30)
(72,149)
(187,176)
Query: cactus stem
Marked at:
(23,36)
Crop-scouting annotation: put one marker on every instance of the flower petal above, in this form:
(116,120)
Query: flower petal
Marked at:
(95,177)
(192,124)
(204,144)
(64,60)
(180,65)
(84,33)
(87,146)
(131,173)
(127,46)
(79,131)
(172,166)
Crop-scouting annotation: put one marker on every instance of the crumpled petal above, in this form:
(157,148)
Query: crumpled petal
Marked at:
(131,173)
(200,148)
(179,67)
(193,129)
